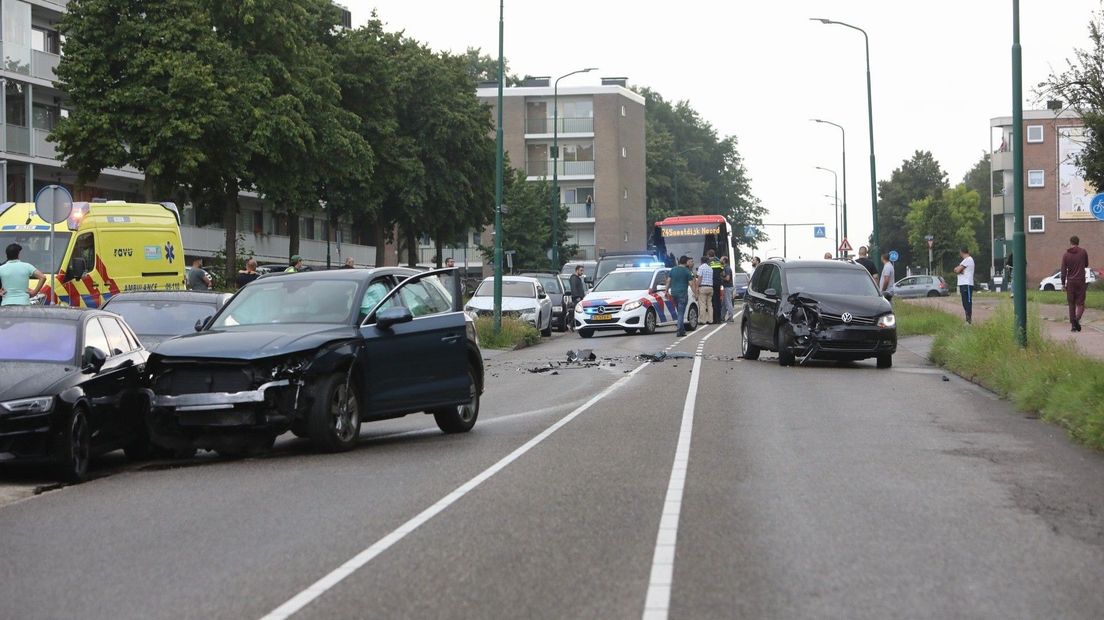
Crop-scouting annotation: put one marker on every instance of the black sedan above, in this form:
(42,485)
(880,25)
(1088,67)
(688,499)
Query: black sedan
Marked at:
(69,388)
(817,310)
(560,296)
(317,353)
(157,316)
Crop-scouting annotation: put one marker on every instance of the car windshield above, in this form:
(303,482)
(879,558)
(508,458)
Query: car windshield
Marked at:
(159,317)
(509,289)
(38,340)
(550,283)
(608,264)
(830,281)
(740,279)
(625,281)
(288,299)
(36,248)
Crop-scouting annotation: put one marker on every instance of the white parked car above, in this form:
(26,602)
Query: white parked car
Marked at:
(522,298)
(1054,282)
(632,300)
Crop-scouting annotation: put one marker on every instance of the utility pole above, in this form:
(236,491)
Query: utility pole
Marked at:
(1019,243)
(498,182)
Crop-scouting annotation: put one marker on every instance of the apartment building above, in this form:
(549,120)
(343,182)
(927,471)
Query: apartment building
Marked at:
(31,49)
(601,166)
(1056,195)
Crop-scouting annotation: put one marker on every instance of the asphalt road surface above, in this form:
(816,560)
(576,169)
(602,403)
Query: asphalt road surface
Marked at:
(696,487)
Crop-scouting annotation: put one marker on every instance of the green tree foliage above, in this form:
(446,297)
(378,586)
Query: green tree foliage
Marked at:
(484,68)
(916,179)
(1081,84)
(527,225)
(693,171)
(978,179)
(952,217)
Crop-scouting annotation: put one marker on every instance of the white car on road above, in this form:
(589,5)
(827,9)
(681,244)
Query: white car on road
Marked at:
(1054,282)
(631,300)
(523,298)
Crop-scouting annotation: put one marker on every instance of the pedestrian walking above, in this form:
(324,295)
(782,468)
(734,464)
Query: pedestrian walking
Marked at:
(705,291)
(887,275)
(248,274)
(679,281)
(729,314)
(15,279)
(864,260)
(198,278)
(578,289)
(965,271)
(1074,263)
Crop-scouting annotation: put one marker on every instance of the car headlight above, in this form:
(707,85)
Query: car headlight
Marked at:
(579,307)
(632,305)
(887,320)
(40,404)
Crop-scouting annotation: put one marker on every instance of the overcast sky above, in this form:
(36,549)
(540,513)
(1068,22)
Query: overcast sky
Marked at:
(941,69)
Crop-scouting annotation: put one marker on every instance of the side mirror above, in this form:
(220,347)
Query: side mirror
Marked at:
(76,270)
(659,288)
(201,322)
(888,295)
(542,296)
(93,359)
(770,292)
(393,316)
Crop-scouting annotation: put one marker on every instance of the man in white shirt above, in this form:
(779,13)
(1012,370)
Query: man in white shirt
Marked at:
(965,271)
(888,275)
(705,292)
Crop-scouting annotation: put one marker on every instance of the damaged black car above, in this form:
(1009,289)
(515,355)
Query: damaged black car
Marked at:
(317,353)
(817,310)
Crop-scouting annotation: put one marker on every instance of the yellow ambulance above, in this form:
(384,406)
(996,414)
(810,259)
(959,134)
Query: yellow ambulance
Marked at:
(103,249)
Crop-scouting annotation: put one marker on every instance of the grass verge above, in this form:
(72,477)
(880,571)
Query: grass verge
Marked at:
(1094,297)
(1049,378)
(515,334)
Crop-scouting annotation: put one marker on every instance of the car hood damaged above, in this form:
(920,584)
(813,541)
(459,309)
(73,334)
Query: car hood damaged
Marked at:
(839,304)
(30,379)
(253,342)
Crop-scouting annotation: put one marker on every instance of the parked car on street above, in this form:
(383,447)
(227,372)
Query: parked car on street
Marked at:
(631,300)
(523,298)
(317,353)
(1054,282)
(69,388)
(920,286)
(590,267)
(740,281)
(157,316)
(621,260)
(816,309)
(559,293)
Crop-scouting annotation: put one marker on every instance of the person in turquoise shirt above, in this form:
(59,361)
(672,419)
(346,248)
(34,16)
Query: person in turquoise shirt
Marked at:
(15,278)
(679,281)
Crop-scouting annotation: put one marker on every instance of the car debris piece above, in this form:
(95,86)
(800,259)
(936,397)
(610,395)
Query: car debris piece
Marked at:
(652,357)
(680,355)
(581,355)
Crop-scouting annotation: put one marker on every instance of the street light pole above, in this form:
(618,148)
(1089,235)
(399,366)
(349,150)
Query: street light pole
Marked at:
(835,222)
(843,158)
(497,323)
(1019,242)
(555,166)
(870,120)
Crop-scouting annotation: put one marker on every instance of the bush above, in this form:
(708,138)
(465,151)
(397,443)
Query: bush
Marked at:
(515,334)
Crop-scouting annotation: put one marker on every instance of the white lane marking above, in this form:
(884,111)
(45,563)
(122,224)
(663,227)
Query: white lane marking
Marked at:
(657,603)
(679,340)
(318,588)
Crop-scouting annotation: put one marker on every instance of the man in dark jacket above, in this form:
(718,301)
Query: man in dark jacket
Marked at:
(578,290)
(1074,263)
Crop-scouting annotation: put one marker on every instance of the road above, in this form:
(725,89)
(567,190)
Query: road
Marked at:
(708,487)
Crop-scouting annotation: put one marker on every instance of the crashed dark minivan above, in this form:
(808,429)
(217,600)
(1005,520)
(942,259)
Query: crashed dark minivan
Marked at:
(317,353)
(816,310)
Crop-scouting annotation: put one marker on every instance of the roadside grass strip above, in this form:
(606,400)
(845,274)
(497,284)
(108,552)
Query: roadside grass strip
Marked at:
(1049,378)
(1094,297)
(515,334)
(917,320)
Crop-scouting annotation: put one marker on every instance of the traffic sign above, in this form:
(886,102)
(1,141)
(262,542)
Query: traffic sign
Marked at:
(845,246)
(750,231)
(931,243)
(819,232)
(893,256)
(54,203)
(1096,205)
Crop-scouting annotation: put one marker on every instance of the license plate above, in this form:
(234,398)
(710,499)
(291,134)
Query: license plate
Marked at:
(602,317)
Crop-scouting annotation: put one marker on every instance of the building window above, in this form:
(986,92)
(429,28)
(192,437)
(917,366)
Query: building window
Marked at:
(475,236)
(1036,224)
(15,104)
(624,152)
(45,116)
(1035,178)
(45,41)
(1034,133)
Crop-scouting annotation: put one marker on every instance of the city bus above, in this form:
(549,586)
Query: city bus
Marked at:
(693,236)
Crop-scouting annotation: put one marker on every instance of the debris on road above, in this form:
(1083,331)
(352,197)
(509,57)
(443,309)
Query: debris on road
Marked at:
(664,355)
(581,355)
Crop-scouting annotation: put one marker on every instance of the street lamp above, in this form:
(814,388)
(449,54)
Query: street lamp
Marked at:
(835,222)
(555,165)
(843,142)
(870,120)
(497,319)
(674,173)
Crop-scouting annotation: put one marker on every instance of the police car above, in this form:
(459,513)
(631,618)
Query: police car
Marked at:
(631,300)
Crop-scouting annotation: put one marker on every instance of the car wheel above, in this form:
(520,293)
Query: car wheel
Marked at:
(461,418)
(1048,287)
(691,320)
(933,293)
(885,360)
(586,333)
(748,351)
(786,357)
(334,418)
(649,322)
(74,448)
(547,331)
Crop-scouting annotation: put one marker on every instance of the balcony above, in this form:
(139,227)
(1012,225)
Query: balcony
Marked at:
(43,65)
(580,213)
(585,252)
(207,241)
(544,125)
(19,139)
(543,168)
(42,148)
(1002,160)
(998,204)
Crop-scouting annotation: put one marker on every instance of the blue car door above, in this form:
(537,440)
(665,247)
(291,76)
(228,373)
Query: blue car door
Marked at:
(419,364)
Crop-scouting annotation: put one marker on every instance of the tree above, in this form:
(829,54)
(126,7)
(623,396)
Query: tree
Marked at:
(482,67)
(917,178)
(1082,85)
(978,179)
(952,217)
(526,225)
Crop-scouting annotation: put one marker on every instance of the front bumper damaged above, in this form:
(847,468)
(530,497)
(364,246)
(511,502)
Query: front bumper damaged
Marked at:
(215,400)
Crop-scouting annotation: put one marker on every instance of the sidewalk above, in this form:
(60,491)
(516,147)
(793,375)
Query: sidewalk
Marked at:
(1055,319)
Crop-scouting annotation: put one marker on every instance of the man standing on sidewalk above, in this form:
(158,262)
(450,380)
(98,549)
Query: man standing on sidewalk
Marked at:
(965,271)
(705,292)
(888,275)
(678,286)
(1074,263)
